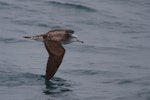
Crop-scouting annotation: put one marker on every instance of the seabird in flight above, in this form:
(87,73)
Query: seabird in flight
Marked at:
(53,41)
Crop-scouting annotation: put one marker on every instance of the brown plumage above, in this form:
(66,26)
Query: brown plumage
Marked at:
(53,43)
(56,53)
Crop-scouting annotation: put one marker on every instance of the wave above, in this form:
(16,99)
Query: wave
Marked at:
(2,3)
(93,49)
(70,5)
(90,72)
(17,79)
(5,5)
(11,40)
(55,85)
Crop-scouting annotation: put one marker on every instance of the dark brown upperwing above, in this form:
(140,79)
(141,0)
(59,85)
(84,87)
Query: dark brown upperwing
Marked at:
(56,53)
(62,31)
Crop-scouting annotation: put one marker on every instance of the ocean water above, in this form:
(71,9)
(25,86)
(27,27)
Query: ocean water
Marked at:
(112,64)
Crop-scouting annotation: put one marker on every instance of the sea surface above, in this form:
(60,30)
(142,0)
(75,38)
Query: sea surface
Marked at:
(112,64)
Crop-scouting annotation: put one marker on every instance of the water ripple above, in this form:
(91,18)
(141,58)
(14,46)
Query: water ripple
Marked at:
(57,86)
(90,72)
(2,3)
(70,5)
(10,40)
(144,93)
(54,86)
(99,50)
(16,79)
(5,5)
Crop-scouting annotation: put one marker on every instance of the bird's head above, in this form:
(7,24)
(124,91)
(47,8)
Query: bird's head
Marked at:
(74,38)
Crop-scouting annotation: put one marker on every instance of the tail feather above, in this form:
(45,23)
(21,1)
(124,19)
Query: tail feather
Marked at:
(34,37)
(28,37)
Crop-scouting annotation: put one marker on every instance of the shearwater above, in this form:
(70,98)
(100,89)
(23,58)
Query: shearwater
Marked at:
(53,41)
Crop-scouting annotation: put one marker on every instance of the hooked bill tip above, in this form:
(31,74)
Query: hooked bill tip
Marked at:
(26,37)
(80,41)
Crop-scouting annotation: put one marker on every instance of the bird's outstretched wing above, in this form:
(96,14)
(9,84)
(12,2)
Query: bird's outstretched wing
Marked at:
(56,53)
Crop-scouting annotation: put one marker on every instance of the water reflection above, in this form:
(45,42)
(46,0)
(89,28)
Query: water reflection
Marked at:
(57,86)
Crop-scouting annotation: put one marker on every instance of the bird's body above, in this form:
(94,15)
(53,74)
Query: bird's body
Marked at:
(53,41)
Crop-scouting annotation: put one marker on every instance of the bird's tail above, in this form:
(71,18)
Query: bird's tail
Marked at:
(37,37)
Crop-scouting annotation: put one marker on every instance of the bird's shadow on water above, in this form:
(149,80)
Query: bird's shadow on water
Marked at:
(57,86)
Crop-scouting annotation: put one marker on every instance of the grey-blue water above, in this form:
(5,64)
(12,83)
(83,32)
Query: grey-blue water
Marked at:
(112,64)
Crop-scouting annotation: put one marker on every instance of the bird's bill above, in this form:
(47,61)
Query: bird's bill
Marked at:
(80,41)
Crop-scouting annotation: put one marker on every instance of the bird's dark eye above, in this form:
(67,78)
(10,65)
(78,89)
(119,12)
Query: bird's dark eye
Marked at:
(44,36)
(70,31)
